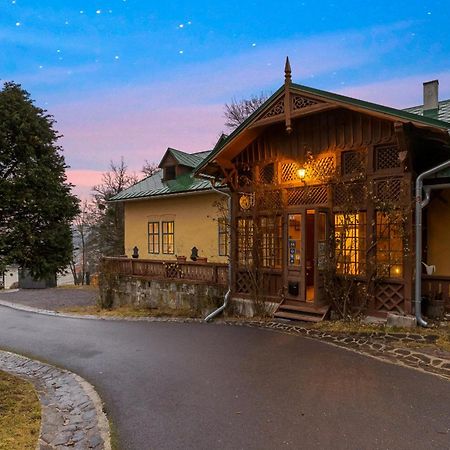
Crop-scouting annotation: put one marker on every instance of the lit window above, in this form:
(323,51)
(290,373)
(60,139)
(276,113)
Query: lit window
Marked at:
(271,241)
(350,243)
(245,241)
(168,237)
(223,237)
(389,246)
(153,237)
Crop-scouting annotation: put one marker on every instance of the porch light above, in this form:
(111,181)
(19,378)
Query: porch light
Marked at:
(301,173)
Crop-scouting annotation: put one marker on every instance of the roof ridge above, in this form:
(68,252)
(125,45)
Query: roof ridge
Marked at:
(421,105)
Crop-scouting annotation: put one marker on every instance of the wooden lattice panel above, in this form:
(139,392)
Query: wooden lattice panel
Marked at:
(173,270)
(269,200)
(386,157)
(350,194)
(389,297)
(352,162)
(300,102)
(243,283)
(289,172)
(308,195)
(276,110)
(267,173)
(389,190)
(321,168)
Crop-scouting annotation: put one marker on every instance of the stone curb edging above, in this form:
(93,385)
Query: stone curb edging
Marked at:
(378,345)
(71,410)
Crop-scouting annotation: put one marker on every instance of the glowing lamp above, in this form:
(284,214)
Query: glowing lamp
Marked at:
(301,173)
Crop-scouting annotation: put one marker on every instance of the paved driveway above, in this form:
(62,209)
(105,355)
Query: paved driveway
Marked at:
(197,386)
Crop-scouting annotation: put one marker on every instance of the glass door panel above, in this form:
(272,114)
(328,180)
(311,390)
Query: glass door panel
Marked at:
(294,240)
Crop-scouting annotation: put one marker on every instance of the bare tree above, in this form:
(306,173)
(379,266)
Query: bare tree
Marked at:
(238,110)
(149,168)
(106,234)
(81,228)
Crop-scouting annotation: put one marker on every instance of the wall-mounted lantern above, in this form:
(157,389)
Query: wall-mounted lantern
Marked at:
(135,252)
(301,173)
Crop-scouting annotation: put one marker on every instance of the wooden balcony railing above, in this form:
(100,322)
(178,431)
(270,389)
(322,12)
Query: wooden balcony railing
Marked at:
(214,273)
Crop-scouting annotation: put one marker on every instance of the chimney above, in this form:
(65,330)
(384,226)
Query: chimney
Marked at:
(430,98)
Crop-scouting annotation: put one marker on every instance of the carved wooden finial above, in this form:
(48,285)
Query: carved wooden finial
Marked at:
(287,95)
(287,71)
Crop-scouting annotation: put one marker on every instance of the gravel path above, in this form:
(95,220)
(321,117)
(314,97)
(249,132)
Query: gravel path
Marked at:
(52,299)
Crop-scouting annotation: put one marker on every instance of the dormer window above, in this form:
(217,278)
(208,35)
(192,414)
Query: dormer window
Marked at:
(169,173)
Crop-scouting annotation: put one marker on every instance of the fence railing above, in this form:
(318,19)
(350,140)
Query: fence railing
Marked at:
(214,273)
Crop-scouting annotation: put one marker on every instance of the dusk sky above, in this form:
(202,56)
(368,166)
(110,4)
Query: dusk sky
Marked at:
(132,77)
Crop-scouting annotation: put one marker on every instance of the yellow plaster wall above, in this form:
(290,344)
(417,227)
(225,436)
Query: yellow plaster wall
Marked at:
(439,234)
(194,225)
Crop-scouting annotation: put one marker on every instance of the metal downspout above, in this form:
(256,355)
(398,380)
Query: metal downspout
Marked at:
(228,293)
(420,204)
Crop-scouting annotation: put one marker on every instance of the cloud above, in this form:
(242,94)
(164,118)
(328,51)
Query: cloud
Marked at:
(399,92)
(94,138)
(52,75)
(83,181)
(185,110)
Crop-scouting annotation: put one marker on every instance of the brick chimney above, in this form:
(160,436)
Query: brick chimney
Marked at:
(430,98)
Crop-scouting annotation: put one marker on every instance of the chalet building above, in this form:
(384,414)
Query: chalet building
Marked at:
(323,200)
(170,213)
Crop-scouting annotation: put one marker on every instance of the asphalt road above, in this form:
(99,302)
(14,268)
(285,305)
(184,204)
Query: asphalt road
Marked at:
(197,386)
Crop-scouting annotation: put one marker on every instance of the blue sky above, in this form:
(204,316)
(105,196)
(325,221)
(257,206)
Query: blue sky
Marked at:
(133,77)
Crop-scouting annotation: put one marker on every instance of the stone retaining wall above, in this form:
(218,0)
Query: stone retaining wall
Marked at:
(119,290)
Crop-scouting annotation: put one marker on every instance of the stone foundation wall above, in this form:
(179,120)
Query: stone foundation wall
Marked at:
(245,307)
(119,290)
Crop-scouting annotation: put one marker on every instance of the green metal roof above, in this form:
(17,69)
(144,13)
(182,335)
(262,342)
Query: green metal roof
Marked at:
(402,114)
(374,107)
(443,112)
(186,159)
(154,186)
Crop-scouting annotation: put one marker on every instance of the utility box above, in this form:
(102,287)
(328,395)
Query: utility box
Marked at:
(293,288)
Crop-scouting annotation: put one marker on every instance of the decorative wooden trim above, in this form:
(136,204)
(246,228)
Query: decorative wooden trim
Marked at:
(287,96)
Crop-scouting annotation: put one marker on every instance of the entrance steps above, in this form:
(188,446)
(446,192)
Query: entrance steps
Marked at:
(304,312)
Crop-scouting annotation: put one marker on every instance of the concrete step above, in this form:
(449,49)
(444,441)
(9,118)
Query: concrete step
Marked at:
(311,309)
(296,316)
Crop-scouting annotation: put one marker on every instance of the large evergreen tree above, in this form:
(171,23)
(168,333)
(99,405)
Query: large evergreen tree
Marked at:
(36,205)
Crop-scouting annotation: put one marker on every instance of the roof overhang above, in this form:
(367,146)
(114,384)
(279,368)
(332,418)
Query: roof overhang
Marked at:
(281,107)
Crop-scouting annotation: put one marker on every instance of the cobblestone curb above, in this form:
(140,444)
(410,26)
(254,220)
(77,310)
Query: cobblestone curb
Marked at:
(71,410)
(378,345)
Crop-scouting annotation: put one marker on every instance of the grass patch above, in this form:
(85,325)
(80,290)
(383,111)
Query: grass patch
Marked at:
(20,414)
(441,331)
(128,311)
